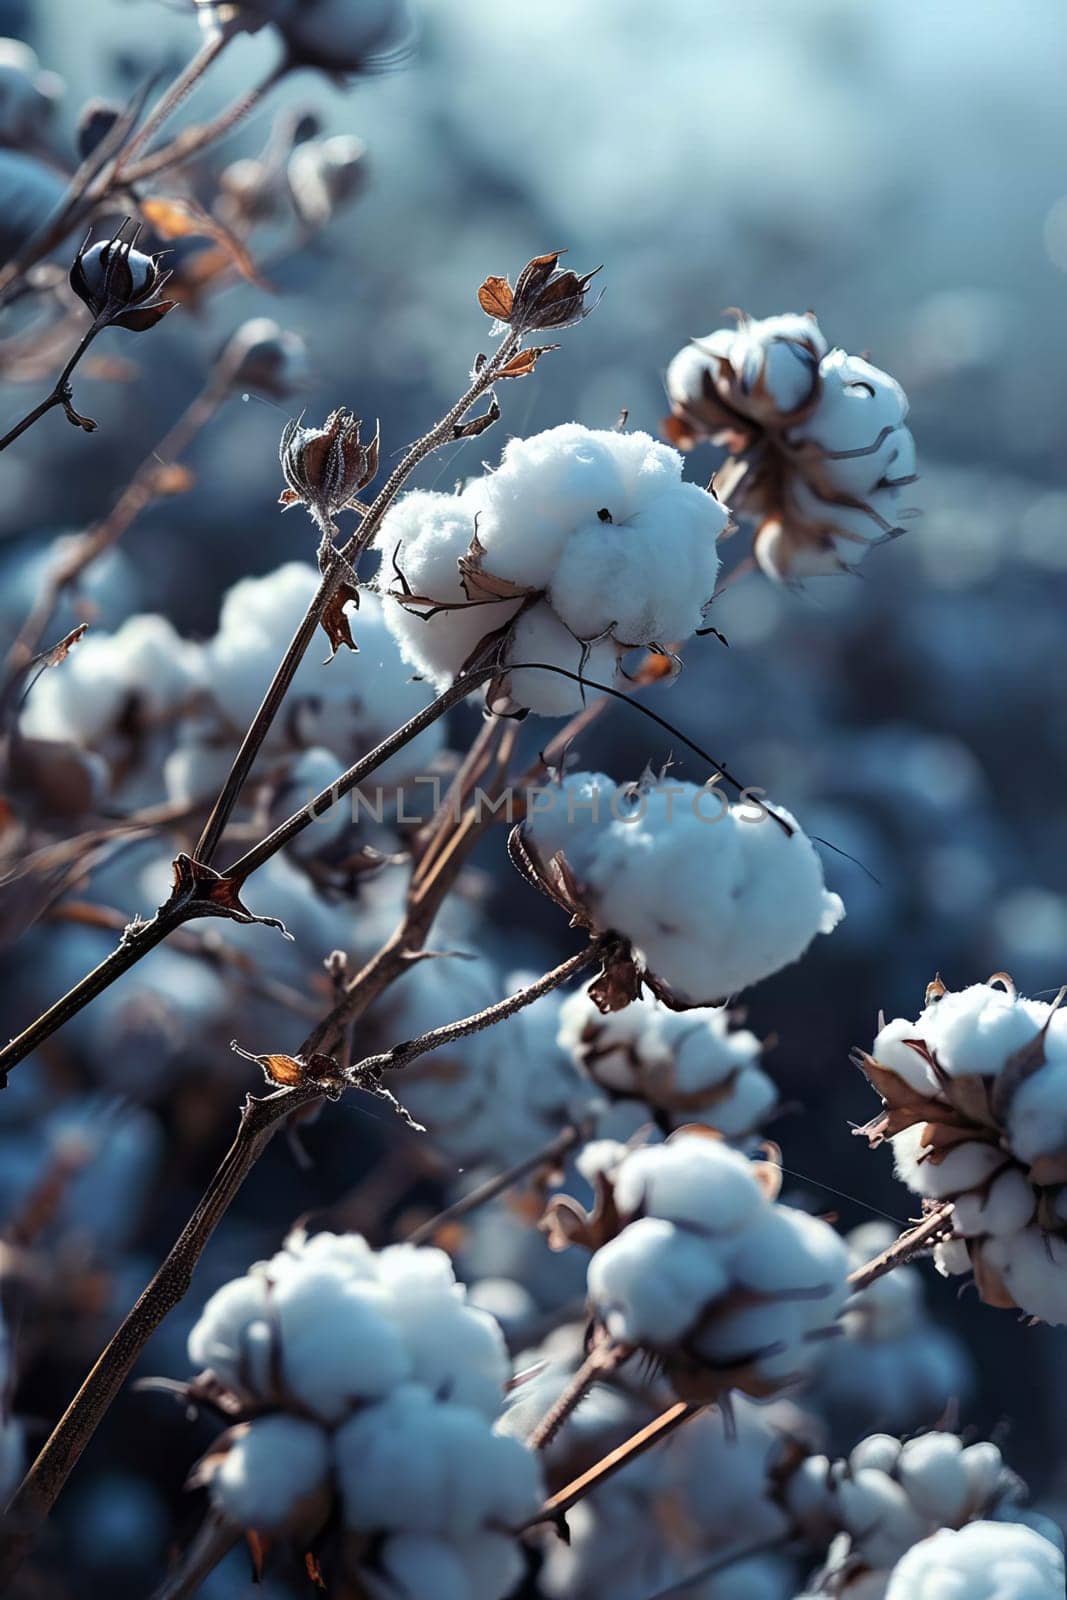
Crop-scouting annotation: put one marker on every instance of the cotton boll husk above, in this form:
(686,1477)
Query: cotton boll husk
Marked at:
(274,1477)
(690,1180)
(711,905)
(650,1283)
(423,536)
(646,579)
(1033,1265)
(983,1561)
(342,35)
(540,636)
(420,1465)
(336,1342)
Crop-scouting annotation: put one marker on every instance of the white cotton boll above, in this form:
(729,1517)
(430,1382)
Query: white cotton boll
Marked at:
(455,1350)
(879,1452)
(858,425)
(337,1345)
(546,487)
(600,1156)
(447,1087)
(271,1473)
(422,538)
(649,1284)
(690,1180)
(1037,1116)
(964,1166)
(412,1463)
(809,1498)
(879,1515)
(932,1473)
(571,816)
(346,1254)
(776,361)
(82,698)
(646,579)
(983,1561)
(1033,1265)
(414,1565)
(983,1468)
(539,636)
(1006,1206)
(312,772)
(161,669)
(493,1563)
(713,899)
(974,1031)
(196,771)
(725,1472)
(952,1258)
(30,192)
(891,1049)
(220,1338)
(694,366)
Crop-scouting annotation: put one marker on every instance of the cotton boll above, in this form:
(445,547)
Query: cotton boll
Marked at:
(539,636)
(29,191)
(456,1351)
(221,1337)
(879,1452)
(777,362)
(1037,1116)
(645,579)
(1033,1266)
(571,816)
(420,1465)
(649,1284)
(422,538)
(879,1515)
(196,770)
(313,772)
(932,1474)
(337,1346)
(965,1166)
(274,1477)
(340,35)
(983,1561)
(1007,1206)
(858,426)
(725,1473)
(692,1181)
(412,1565)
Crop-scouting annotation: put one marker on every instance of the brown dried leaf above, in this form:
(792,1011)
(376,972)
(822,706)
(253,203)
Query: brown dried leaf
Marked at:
(618,982)
(335,619)
(496,298)
(178,218)
(476,425)
(481,585)
(521,365)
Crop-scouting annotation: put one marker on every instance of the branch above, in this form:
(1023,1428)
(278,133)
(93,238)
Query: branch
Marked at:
(933,1229)
(61,395)
(601,1362)
(550,1155)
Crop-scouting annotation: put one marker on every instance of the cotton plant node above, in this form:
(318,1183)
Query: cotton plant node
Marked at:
(733,901)
(974,1114)
(695,1263)
(819,448)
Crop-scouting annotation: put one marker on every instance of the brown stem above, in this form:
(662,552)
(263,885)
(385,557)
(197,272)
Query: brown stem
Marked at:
(923,1236)
(661,1428)
(550,1155)
(174,96)
(260,1119)
(601,1361)
(61,393)
(196,139)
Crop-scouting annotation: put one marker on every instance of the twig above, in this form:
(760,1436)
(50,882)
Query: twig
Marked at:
(62,394)
(548,1156)
(722,1563)
(175,95)
(910,1244)
(196,139)
(601,1362)
(661,1428)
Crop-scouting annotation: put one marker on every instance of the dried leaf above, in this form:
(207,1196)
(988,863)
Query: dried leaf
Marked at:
(479,585)
(618,982)
(178,218)
(496,298)
(170,478)
(317,1070)
(521,365)
(476,425)
(59,652)
(335,619)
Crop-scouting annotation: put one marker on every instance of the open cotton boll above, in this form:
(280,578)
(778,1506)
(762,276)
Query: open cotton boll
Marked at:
(455,1349)
(777,362)
(416,1464)
(1033,1267)
(222,1337)
(649,1284)
(539,635)
(711,906)
(422,538)
(858,426)
(725,1472)
(336,1344)
(983,1561)
(571,817)
(274,1477)
(689,1180)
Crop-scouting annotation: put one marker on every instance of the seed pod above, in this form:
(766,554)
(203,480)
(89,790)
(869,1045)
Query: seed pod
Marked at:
(119,283)
(325,468)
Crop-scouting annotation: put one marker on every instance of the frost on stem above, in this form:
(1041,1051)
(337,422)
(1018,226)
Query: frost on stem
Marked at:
(581,545)
(975,1097)
(819,447)
(984,1561)
(711,897)
(700,1066)
(363,1390)
(695,1262)
(886,1497)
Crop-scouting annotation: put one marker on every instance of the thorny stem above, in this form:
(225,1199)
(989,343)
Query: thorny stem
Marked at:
(548,1156)
(926,1233)
(601,1362)
(61,393)
(260,1119)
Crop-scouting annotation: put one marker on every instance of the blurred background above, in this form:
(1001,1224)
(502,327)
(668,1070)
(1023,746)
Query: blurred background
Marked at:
(899,168)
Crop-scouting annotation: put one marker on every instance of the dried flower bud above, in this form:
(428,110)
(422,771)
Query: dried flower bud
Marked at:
(545,296)
(325,468)
(119,284)
(265,357)
(323,175)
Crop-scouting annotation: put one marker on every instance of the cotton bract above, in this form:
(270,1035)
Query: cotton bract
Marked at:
(701,1266)
(711,897)
(975,1091)
(821,450)
(984,1561)
(581,544)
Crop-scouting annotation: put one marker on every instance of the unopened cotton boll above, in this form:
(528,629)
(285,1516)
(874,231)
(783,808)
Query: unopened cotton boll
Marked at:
(340,35)
(274,1477)
(983,1561)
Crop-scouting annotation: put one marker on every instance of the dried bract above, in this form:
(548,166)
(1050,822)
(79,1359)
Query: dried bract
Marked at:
(119,283)
(545,296)
(325,468)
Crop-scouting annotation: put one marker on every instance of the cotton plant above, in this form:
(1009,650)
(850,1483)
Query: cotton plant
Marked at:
(694,1262)
(820,449)
(704,898)
(580,546)
(887,1496)
(984,1561)
(362,1383)
(654,1063)
(975,1110)
(896,1367)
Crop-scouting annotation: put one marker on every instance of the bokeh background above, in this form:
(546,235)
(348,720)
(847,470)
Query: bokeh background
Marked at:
(900,168)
